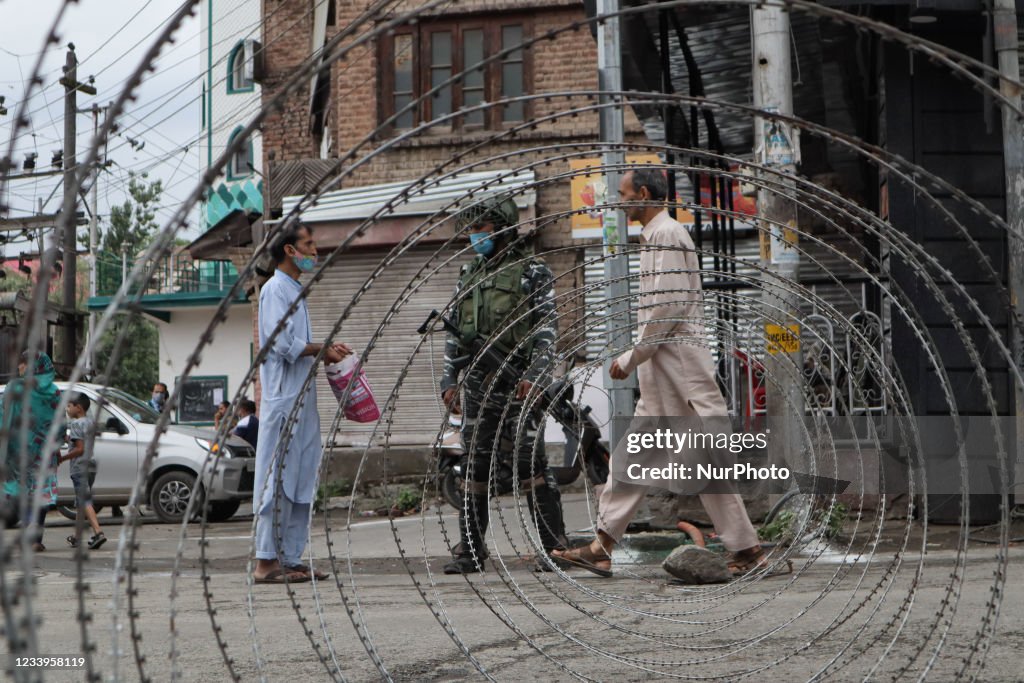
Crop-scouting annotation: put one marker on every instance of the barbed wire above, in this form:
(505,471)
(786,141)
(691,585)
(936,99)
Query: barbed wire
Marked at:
(875,614)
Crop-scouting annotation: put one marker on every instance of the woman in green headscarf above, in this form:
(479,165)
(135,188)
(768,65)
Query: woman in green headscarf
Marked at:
(28,431)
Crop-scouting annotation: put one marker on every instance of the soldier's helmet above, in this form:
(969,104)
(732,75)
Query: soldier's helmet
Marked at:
(501,212)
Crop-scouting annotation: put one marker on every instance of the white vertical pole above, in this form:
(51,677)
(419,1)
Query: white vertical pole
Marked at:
(616,267)
(777,146)
(93,227)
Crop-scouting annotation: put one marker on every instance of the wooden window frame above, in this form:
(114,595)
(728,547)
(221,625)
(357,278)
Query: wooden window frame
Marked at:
(421,47)
(475,25)
(498,63)
(423,68)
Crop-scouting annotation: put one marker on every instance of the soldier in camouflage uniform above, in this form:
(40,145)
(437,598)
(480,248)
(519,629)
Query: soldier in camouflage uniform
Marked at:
(505,296)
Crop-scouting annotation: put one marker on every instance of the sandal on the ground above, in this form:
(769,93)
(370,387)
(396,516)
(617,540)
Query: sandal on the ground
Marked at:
(96,541)
(72,541)
(585,558)
(304,569)
(743,562)
(281,576)
(548,561)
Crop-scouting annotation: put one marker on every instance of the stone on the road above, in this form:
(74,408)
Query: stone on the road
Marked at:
(691,564)
(339,503)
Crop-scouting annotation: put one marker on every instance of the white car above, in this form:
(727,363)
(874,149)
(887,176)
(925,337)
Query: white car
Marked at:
(124,428)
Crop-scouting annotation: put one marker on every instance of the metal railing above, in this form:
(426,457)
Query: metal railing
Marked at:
(843,360)
(178,273)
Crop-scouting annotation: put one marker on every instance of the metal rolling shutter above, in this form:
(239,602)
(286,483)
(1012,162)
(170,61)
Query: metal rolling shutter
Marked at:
(416,418)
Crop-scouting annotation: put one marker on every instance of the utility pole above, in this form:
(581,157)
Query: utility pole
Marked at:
(71,88)
(93,221)
(3,203)
(40,239)
(777,146)
(613,221)
(1004,19)
(70,82)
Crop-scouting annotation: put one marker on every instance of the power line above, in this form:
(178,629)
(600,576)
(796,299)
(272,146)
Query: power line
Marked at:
(244,109)
(250,30)
(199,77)
(31,54)
(118,32)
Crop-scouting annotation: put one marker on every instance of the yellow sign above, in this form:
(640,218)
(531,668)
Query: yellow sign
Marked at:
(782,339)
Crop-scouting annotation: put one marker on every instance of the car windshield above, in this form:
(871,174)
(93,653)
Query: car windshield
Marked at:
(139,411)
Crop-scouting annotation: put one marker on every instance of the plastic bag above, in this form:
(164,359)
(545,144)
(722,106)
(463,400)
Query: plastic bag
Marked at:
(361,406)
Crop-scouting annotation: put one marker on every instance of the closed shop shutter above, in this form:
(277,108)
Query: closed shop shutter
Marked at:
(416,416)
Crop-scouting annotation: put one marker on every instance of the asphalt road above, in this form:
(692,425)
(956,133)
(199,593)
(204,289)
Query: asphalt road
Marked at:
(844,614)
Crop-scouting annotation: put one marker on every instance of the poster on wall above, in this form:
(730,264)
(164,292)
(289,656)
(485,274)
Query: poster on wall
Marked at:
(590,192)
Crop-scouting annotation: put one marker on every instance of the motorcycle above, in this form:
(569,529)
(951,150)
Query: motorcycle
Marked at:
(584,449)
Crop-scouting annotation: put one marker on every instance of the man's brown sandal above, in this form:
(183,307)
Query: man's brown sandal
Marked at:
(281,576)
(549,560)
(304,569)
(585,558)
(743,562)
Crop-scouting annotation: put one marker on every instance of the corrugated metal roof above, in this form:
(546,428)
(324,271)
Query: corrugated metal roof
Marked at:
(720,42)
(356,203)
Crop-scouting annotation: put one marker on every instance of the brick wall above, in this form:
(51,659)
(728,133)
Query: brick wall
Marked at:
(287,36)
(566,62)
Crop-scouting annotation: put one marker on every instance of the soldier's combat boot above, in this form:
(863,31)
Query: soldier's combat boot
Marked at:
(473,520)
(545,503)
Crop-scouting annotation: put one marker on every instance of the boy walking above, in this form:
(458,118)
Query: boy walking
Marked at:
(79,429)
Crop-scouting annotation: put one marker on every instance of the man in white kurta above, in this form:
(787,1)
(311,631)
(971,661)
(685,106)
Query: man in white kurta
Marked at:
(674,367)
(295,449)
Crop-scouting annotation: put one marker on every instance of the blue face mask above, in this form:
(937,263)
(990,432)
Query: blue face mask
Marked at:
(482,243)
(304,263)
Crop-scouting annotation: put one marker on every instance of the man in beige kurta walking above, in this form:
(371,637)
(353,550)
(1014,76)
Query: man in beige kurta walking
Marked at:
(675,371)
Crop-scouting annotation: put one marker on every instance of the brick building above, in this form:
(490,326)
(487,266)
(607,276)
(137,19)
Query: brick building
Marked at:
(349,107)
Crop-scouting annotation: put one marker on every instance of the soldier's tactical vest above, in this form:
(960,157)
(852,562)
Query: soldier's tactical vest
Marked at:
(495,302)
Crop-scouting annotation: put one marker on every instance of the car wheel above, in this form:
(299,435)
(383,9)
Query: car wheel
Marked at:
(222,510)
(70,512)
(171,494)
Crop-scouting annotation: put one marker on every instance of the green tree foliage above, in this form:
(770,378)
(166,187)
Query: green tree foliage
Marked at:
(138,365)
(132,225)
(15,282)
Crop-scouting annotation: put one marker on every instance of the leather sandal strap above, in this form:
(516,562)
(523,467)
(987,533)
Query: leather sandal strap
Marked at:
(742,561)
(587,554)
